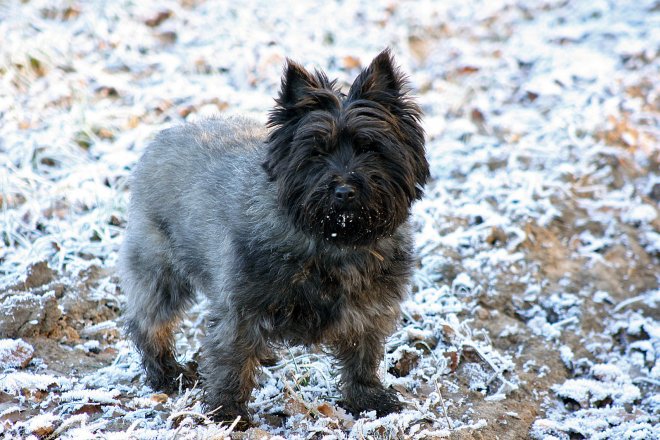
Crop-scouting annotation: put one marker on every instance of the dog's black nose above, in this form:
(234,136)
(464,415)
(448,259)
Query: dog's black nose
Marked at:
(344,193)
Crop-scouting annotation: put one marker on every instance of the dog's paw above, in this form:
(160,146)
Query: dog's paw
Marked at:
(228,419)
(226,412)
(269,360)
(383,401)
(188,376)
(174,378)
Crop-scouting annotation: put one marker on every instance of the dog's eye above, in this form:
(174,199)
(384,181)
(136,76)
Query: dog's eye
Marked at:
(367,147)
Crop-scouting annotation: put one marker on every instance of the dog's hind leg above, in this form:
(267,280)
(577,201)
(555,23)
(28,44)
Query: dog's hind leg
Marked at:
(157,297)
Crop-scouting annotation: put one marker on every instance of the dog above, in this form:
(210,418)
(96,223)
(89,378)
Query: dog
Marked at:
(297,232)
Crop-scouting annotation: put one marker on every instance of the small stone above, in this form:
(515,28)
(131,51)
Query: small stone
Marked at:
(482,313)
(38,275)
(497,236)
(15,353)
(655,193)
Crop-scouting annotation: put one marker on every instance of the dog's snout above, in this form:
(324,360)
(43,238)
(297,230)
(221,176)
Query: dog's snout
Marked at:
(344,193)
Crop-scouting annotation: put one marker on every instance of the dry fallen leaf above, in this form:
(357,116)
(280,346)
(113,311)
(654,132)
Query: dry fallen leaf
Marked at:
(351,62)
(159,397)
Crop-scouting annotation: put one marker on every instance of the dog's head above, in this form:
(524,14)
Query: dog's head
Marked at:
(347,168)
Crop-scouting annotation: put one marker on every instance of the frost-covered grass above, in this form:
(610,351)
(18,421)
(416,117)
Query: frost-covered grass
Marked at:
(533,312)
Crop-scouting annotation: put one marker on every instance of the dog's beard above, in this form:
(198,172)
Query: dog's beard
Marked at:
(371,216)
(347,227)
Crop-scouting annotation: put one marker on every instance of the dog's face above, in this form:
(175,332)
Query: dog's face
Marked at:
(347,168)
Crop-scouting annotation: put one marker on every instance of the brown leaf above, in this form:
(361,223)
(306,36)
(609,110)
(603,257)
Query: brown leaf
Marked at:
(186,110)
(477,116)
(159,397)
(351,62)
(326,409)
(497,235)
(157,19)
(89,409)
(293,405)
(419,47)
(105,133)
(466,70)
(133,122)
(452,357)
(405,364)
(449,333)
(43,431)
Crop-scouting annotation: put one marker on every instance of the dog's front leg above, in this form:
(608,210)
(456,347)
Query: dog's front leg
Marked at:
(359,355)
(232,351)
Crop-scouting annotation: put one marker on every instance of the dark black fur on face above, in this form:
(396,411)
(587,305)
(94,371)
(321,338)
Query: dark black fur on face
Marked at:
(370,140)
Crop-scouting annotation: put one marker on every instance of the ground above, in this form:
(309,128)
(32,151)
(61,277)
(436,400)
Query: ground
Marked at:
(533,310)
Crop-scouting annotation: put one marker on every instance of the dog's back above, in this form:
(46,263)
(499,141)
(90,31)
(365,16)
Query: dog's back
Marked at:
(187,164)
(184,175)
(176,227)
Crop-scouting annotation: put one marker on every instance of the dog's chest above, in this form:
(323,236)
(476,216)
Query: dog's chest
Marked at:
(333,278)
(319,294)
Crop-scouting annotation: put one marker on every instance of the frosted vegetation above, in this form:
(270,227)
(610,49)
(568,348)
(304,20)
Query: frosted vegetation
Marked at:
(534,308)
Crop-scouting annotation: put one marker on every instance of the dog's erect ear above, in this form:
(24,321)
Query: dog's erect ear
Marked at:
(380,79)
(296,83)
(382,85)
(301,91)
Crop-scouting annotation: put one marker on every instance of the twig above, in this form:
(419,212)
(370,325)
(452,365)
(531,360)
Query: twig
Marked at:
(570,320)
(442,402)
(495,375)
(66,424)
(647,380)
(233,425)
(629,301)
(310,409)
(480,354)
(131,428)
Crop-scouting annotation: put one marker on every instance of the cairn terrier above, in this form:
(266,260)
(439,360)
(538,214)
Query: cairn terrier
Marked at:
(298,233)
